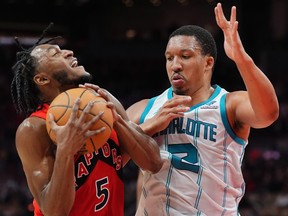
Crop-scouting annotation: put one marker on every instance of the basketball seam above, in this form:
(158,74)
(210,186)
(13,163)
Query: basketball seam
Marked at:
(92,114)
(65,109)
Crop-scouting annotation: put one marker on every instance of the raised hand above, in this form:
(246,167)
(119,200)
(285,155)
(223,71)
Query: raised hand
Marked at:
(232,42)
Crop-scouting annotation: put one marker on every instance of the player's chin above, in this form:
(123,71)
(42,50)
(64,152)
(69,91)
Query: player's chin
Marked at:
(178,90)
(79,69)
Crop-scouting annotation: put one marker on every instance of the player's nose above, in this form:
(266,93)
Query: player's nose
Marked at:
(68,53)
(176,65)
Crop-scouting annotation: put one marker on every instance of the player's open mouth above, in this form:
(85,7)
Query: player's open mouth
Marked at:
(74,63)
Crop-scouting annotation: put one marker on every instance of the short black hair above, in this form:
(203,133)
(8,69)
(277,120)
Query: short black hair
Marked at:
(202,36)
(24,92)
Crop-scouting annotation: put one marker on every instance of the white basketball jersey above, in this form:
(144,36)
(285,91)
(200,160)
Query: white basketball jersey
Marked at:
(202,157)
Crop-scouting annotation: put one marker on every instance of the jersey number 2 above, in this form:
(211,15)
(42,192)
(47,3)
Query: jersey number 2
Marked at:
(184,156)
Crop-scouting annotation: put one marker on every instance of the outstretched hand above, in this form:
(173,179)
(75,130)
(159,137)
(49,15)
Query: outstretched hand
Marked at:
(232,42)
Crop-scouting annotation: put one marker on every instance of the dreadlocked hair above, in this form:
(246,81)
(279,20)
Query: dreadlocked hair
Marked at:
(24,92)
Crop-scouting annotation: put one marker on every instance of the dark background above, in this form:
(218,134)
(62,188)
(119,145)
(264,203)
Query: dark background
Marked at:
(122,43)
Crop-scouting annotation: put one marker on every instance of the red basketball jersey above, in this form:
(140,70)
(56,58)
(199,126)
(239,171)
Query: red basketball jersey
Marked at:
(98,180)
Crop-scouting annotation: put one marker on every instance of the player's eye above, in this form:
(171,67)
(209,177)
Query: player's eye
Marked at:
(169,58)
(56,53)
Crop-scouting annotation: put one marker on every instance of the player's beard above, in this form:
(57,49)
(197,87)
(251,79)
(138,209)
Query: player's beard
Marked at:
(179,91)
(62,77)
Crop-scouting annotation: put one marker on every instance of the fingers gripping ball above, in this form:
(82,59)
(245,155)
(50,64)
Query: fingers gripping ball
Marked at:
(61,108)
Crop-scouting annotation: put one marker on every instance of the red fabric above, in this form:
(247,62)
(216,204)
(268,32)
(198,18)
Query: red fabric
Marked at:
(41,113)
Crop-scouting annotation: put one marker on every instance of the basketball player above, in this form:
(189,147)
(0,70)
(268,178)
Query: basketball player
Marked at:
(202,129)
(62,181)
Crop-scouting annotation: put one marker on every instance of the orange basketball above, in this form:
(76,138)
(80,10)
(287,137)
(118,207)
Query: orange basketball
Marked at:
(61,108)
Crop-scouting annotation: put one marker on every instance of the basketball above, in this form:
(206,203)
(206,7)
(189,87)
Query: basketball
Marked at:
(61,108)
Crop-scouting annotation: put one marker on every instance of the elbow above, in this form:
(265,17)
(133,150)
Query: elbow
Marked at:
(156,165)
(156,161)
(271,116)
(151,163)
(274,113)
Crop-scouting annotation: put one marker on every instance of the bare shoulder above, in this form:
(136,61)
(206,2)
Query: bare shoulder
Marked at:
(135,110)
(32,140)
(30,123)
(31,127)
(235,97)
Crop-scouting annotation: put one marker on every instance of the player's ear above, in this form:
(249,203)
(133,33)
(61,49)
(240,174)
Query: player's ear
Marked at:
(41,79)
(209,63)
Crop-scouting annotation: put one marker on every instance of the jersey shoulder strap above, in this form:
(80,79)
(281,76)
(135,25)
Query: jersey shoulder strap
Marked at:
(41,112)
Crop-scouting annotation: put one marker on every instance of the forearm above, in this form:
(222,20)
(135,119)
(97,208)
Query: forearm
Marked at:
(142,149)
(149,128)
(58,196)
(260,90)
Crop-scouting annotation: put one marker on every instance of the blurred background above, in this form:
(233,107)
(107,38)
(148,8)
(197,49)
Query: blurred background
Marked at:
(122,43)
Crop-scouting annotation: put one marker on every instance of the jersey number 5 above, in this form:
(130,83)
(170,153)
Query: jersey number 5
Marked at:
(101,191)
